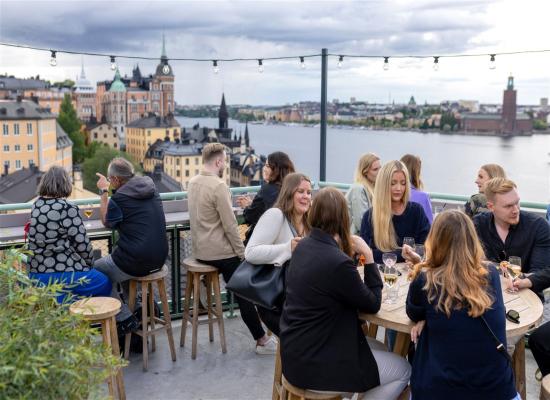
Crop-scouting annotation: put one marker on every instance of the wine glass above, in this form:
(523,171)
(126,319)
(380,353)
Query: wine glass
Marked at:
(88,211)
(390,277)
(421,251)
(409,241)
(514,269)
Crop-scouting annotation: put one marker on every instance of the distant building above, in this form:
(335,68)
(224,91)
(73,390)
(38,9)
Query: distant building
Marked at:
(544,101)
(163,182)
(103,133)
(50,98)
(141,134)
(11,87)
(246,166)
(84,96)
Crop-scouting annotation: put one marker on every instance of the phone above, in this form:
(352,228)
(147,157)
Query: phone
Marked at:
(512,316)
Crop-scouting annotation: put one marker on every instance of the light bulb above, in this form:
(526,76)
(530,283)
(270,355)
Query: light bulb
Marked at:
(302,63)
(492,62)
(386,63)
(166,69)
(436,64)
(113,63)
(215,65)
(53,60)
(260,66)
(340,61)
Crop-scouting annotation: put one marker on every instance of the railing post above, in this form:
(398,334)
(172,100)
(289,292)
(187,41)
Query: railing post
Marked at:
(323,150)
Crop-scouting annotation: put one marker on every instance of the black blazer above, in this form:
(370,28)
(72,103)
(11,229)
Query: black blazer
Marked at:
(264,200)
(322,344)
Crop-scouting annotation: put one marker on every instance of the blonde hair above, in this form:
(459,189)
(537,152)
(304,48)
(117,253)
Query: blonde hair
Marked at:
(363,166)
(498,186)
(494,171)
(285,200)
(382,225)
(455,275)
(414,165)
(211,151)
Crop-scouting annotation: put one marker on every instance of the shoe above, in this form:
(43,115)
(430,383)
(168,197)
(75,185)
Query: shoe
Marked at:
(130,324)
(269,348)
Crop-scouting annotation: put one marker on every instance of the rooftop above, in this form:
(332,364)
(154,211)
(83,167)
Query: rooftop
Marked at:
(154,122)
(62,139)
(19,186)
(24,109)
(15,84)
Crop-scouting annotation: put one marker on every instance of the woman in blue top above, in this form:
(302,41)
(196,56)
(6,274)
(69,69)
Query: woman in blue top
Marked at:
(457,302)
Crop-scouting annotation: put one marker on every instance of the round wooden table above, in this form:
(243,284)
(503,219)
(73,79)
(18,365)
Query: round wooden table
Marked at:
(394,316)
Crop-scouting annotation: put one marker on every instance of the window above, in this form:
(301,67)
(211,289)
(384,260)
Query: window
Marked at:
(17,148)
(18,164)
(16,129)
(29,129)
(5,129)
(114,135)
(104,136)
(31,162)
(186,161)
(115,145)
(177,161)
(186,172)
(6,148)
(95,135)
(29,147)
(178,173)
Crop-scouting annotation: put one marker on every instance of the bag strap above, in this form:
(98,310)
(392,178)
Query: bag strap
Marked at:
(500,347)
(292,228)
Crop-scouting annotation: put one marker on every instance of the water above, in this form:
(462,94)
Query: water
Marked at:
(449,162)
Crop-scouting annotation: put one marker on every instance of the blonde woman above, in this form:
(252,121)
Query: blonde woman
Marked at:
(359,195)
(478,202)
(457,303)
(392,216)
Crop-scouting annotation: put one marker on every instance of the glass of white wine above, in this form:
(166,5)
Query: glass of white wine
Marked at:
(88,212)
(514,269)
(390,277)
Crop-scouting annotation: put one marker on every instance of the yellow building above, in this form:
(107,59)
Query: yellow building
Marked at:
(103,133)
(142,133)
(31,136)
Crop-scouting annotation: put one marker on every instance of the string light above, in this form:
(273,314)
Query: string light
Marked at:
(260,66)
(165,67)
(436,63)
(386,63)
(215,66)
(492,62)
(53,60)
(302,62)
(340,61)
(113,63)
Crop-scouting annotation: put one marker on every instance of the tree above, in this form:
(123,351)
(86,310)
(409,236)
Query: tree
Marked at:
(71,124)
(99,163)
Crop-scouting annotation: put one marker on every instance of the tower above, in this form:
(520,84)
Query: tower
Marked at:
(223,115)
(162,86)
(509,107)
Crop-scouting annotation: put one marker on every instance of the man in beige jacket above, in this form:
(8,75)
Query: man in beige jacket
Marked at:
(215,235)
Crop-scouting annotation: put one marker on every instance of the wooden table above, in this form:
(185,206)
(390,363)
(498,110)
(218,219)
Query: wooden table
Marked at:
(394,316)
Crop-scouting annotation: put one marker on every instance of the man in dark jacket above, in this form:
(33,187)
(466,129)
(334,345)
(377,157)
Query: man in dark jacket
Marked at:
(135,211)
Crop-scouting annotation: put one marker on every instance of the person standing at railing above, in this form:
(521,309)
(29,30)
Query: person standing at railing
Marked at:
(414,166)
(478,201)
(214,231)
(135,211)
(278,166)
(60,247)
(359,196)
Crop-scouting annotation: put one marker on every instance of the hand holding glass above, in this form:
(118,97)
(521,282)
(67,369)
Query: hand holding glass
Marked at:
(514,269)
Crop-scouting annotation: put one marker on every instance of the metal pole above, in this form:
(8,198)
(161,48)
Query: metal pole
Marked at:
(323,150)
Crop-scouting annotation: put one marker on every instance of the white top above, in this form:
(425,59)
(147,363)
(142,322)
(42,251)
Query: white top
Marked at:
(270,241)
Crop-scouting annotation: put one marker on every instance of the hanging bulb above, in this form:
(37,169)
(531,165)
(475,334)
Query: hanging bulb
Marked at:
(166,68)
(436,64)
(340,61)
(492,62)
(260,66)
(53,60)
(215,65)
(302,62)
(386,63)
(113,63)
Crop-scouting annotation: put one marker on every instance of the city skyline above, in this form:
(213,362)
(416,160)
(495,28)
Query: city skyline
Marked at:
(216,30)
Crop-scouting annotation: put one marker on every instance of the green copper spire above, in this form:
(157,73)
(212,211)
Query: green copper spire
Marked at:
(117,85)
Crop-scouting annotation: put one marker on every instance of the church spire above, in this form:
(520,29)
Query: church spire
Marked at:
(246,137)
(82,73)
(163,54)
(223,115)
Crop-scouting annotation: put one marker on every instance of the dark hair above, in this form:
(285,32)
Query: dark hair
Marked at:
(55,183)
(329,213)
(413,164)
(280,165)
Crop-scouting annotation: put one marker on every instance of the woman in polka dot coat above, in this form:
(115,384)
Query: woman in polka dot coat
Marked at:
(61,249)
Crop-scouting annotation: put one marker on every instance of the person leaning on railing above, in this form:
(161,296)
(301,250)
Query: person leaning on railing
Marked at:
(478,202)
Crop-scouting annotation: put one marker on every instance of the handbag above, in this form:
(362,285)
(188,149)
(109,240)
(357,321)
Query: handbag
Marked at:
(262,285)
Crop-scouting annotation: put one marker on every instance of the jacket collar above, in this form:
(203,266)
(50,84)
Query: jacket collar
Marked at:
(322,236)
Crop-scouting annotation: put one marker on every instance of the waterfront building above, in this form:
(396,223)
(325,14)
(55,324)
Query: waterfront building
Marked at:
(142,133)
(84,95)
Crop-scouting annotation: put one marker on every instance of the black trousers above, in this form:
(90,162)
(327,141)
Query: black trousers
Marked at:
(271,319)
(539,343)
(248,311)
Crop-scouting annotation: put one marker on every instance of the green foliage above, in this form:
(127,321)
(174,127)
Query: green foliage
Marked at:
(67,83)
(540,125)
(46,353)
(71,124)
(99,162)
(448,119)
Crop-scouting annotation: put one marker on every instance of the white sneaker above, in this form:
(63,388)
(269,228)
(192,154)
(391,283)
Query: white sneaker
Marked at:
(269,348)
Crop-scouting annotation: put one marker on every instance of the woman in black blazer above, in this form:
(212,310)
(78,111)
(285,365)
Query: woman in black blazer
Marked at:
(323,347)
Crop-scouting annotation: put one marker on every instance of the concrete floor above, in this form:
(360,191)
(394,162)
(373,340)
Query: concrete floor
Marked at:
(239,374)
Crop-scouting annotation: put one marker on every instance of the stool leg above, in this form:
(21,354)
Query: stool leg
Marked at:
(219,312)
(131,305)
(208,279)
(186,305)
(116,351)
(144,324)
(195,323)
(106,333)
(167,318)
(277,376)
(151,307)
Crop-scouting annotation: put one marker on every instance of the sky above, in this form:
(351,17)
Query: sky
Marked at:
(261,29)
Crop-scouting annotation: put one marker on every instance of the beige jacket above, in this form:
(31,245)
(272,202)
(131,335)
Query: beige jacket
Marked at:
(214,230)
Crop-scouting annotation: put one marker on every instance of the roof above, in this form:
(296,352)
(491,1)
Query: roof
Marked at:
(154,122)
(164,182)
(12,83)
(62,139)
(117,85)
(24,109)
(19,186)
(482,116)
(165,147)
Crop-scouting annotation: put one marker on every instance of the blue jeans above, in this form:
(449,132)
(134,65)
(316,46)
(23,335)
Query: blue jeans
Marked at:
(97,284)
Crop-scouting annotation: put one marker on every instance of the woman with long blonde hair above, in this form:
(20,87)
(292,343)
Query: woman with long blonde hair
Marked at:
(359,195)
(457,301)
(392,216)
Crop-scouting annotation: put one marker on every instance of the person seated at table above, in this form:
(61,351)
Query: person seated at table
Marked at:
(359,195)
(60,248)
(478,202)
(323,347)
(278,232)
(414,166)
(278,166)
(457,303)
(392,216)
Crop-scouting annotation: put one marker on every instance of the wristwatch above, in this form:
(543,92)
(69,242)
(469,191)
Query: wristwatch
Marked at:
(103,191)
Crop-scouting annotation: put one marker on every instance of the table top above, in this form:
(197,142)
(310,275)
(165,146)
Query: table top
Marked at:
(394,316)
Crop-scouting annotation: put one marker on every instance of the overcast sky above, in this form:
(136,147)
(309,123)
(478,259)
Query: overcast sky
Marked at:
(247,29)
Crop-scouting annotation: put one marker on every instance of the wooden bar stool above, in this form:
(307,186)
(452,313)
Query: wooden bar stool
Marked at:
(103,310)
(291,392)
(148,322)
(195,270)
(545,388)
(277,376)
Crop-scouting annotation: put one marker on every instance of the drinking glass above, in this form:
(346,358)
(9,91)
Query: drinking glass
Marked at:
(409,241)
(514,269)
(390,277)
(421,251)
(88,211)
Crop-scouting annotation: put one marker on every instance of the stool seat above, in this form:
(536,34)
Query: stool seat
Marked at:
(545,388)
(154,276)
(292,391)
(96,308)
(192,265)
